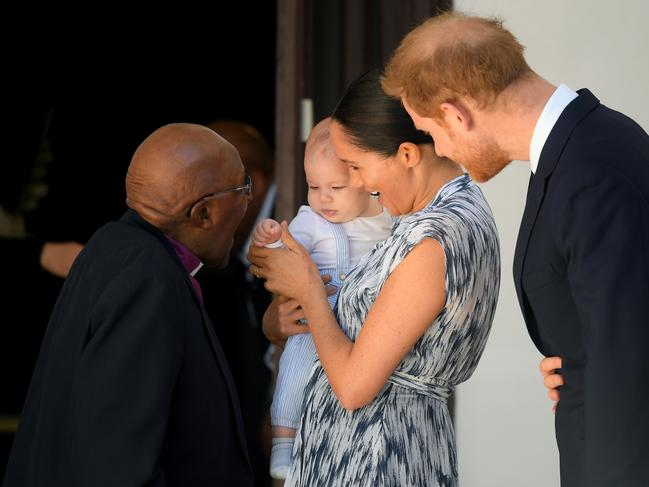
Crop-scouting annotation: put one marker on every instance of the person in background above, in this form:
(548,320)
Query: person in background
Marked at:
(33,264)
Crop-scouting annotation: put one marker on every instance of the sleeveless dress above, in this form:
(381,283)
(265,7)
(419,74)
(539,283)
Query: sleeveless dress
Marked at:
(404,437)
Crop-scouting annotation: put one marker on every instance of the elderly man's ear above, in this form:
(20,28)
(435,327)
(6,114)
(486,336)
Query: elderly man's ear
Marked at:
(203,214)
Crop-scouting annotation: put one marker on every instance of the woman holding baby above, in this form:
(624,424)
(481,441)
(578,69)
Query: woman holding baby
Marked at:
(412,317)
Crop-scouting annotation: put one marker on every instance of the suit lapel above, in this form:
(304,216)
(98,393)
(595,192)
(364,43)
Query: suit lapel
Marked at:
(535,194)
(552,150)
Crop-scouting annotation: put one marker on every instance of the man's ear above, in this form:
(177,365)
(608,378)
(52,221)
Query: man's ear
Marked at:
(201,215)
(409,154)
(457,115)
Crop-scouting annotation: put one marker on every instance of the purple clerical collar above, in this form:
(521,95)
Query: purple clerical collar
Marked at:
(190,262)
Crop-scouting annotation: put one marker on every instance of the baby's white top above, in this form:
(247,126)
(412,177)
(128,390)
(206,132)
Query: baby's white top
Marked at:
(313,232)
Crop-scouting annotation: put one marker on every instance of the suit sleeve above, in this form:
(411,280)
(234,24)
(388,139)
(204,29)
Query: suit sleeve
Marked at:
(125,381)
(607,247)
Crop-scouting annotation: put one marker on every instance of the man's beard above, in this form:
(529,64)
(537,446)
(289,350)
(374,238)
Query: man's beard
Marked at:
(481,160)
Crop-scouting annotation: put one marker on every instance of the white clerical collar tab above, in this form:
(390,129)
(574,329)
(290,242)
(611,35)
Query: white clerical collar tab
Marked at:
(198,268)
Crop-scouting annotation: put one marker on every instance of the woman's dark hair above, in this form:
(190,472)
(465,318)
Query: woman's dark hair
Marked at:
(375,121)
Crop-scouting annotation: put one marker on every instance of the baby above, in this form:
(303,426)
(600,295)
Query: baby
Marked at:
(340,225)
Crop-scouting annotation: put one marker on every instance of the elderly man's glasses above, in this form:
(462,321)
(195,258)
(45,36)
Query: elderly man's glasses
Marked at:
(245,189)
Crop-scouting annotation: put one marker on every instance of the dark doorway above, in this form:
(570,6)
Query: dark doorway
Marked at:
(322,47)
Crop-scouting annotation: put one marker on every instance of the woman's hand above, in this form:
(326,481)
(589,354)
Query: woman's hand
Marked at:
(288,271)
(551,378)
(282,319)
(285,317)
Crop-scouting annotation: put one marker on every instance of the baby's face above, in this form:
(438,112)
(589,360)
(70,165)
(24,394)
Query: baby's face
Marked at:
(331,194)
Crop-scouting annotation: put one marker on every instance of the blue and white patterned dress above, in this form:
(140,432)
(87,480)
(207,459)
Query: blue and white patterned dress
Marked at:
(404,437)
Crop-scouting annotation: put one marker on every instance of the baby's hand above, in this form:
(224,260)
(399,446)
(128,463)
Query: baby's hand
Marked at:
(267,232)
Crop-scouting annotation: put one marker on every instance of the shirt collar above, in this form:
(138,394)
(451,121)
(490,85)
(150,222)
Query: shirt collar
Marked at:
(559,100)
(190,262)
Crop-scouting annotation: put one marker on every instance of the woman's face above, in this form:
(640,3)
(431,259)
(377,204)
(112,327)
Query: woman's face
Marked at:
(374,172)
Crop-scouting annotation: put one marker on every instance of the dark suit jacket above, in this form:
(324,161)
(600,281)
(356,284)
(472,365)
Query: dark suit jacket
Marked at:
(581,271)
(131,386)
(239,305)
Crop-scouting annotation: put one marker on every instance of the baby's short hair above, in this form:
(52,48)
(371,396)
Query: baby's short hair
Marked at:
(318,145)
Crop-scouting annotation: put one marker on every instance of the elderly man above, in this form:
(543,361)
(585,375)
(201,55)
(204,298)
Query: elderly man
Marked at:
(581,265)
(131,385)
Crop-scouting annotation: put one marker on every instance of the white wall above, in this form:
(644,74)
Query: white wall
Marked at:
(504,426)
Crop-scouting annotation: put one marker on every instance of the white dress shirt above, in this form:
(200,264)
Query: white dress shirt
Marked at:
(559,100)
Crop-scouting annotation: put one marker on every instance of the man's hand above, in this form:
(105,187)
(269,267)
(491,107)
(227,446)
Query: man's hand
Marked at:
(551,378)
(57,258)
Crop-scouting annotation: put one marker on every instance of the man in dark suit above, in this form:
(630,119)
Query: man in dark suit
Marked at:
(581,267)
(131,386)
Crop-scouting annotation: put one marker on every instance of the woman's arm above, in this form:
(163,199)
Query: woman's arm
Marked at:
(411,298)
